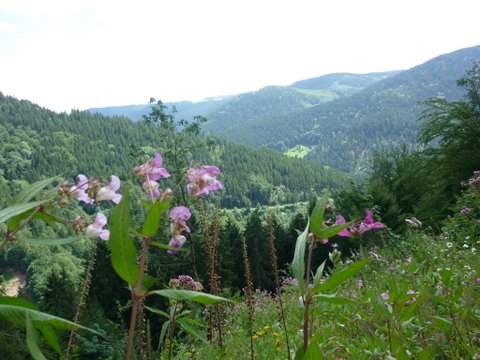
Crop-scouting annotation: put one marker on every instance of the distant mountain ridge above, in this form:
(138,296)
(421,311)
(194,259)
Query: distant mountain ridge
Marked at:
(299,95)
(345,132)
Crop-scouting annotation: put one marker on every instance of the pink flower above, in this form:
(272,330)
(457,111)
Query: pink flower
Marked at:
(203,180)
(108,192)
(152,170)
(79,190)
(358,229)
(96,229)
(179,216)
(151,188)
(176,241)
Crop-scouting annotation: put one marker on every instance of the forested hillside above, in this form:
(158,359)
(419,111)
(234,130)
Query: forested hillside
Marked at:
(345,132)
(39,143)
(226,111)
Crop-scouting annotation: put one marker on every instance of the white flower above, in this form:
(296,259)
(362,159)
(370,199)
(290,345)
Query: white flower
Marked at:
(449,244)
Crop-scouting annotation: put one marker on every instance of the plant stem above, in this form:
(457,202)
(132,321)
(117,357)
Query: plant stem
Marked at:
(136,297)
(307,299)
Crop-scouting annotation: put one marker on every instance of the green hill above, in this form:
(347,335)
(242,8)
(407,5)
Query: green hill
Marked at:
(36,143)
(343,133)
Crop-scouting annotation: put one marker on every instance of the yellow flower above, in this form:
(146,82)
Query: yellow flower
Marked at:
(259,333)
(254,337)
(276,334)
(266,328)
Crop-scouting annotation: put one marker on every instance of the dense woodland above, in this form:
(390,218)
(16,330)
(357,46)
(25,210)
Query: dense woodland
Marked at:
(267,196)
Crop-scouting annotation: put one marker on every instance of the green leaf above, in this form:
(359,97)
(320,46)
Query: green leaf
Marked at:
(190,295)
(298,263)
(190,327)
(334,299)
(124,252)
(316,219)
(339,277)
(163,332)
(154,217)
(333,230)
(33,340)
(426,353)
(148,281)
(443,323)
(166,247)
(50,336)
(18,315)
(299,354)
(158,311)
(18,209)
(53,241)
(313,351)
(318,273)
(7,300)
(32,190)
(407,314)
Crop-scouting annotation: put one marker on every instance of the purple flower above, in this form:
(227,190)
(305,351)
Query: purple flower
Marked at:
(108,192)
(96,229)
(466,210)
(179,216)
(203,180)
(152,170)
(151,188)
(410,292)
(79,190)
(385,296)
(358,229)
(177,242)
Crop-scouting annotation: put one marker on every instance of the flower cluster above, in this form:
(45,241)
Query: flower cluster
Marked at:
(88,191)
(203,180)
(475,181)
(150,172)
(185,282)
(358,229)
(179,216)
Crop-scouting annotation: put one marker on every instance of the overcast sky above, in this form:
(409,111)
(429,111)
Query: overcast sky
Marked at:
(65,54)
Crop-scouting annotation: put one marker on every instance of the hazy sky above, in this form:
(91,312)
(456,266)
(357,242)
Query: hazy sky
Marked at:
(64,54)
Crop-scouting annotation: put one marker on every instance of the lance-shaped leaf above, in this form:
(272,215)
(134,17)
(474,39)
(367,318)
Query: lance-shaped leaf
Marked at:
(32,190)
(18,316)
(61,241)
(196,296)
(33,340)
(318,273)
(192,327)
(14,222)
(154,217)
(18,209)
(316,219)
(298,263)
(339,277)
(166,247)
(158,311)
(330,231)
(124,252)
